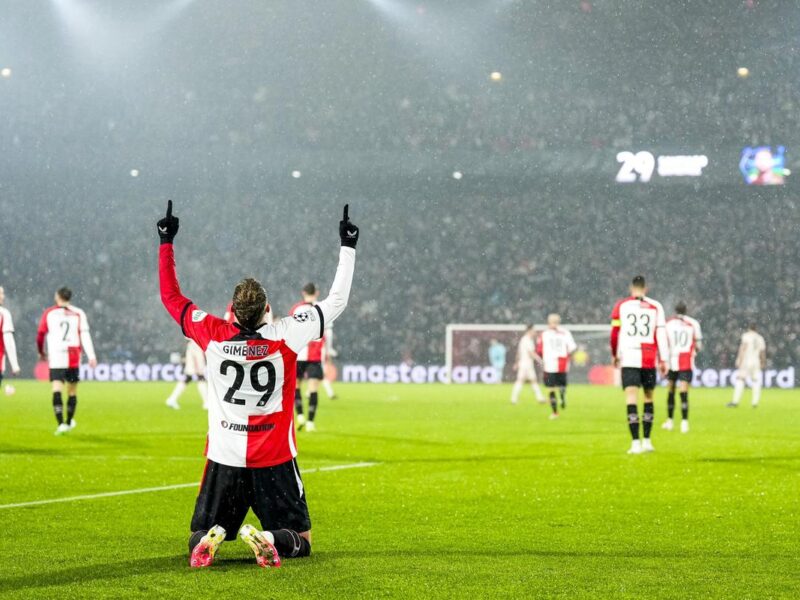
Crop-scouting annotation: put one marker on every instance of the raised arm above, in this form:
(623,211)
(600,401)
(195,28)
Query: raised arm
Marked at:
(334,305)
(299,329)
(172,298)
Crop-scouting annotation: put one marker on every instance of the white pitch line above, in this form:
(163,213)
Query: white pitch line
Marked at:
(177,486)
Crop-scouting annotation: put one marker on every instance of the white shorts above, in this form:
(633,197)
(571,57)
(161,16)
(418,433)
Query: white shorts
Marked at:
(751,372)
(526,372)
(195,360)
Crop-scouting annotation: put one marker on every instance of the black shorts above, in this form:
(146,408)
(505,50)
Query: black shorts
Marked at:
(312,369)
(681,375)
(275,494)
(643,378)
(68,375)
(553,380)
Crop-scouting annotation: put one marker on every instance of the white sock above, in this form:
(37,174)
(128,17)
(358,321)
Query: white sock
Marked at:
(756,391)
(515,392)
(176,393)
(202,387)
(328,388)
(738,390)
(538,391)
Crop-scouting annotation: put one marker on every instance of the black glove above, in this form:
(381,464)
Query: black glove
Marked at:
(348,232)
(168,226)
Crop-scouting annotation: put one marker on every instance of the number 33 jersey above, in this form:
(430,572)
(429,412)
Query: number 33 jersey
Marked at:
(640,326)
(252,379)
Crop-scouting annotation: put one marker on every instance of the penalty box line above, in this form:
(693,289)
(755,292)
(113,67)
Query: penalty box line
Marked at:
(163,488)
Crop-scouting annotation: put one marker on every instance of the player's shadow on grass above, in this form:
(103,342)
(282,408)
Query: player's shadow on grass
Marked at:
(24,451)
(109,571)
(73,575)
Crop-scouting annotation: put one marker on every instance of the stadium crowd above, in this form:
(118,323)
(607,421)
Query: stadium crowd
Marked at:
(464,257)
(428,257)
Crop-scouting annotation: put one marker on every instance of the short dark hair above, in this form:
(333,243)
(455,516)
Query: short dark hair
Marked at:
(638,281)
(530,326)
(680,308)
(64,293)
(751,326)
(309,289)
(249,302)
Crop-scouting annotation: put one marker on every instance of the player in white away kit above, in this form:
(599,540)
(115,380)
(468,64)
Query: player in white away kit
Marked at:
(638,346)
(8,346)
(750,362)
(526,354)
(194,366)
(555,346)
(685,340)
(251,372)
(66,329)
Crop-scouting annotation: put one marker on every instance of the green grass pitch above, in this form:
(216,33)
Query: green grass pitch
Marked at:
(471,497)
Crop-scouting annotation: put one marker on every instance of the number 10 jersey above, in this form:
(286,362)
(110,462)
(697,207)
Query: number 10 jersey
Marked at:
(638,335)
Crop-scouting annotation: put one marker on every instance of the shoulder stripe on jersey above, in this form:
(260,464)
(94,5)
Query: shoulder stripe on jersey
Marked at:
(183,314)
(321,320)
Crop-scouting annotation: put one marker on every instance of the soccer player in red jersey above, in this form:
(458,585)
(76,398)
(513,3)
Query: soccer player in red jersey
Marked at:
(8,346)
(251,371)
(309,364)
(66,329)
(685,339)
(555,345)
(639,346)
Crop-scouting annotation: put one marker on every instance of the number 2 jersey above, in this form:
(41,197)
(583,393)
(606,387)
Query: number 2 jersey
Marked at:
(66,329)
(252,374)
(684,335)
(638,333)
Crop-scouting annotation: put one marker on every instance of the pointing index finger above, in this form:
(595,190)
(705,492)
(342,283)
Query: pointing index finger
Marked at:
(345,217)
(169,209)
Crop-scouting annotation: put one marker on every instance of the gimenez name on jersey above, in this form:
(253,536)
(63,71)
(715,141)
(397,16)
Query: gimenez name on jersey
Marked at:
(248,349)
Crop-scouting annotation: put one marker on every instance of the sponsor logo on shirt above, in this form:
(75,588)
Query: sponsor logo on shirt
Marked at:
(198,315)
(247,428)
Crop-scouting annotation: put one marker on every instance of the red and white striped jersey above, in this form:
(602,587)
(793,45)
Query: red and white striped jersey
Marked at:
(7,337)
(313,351)
(683,334)
(252,374)
(638,333)
(555,344)
(66,330)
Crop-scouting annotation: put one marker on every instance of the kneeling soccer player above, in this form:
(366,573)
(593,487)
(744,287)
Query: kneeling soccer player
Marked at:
(251,446)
